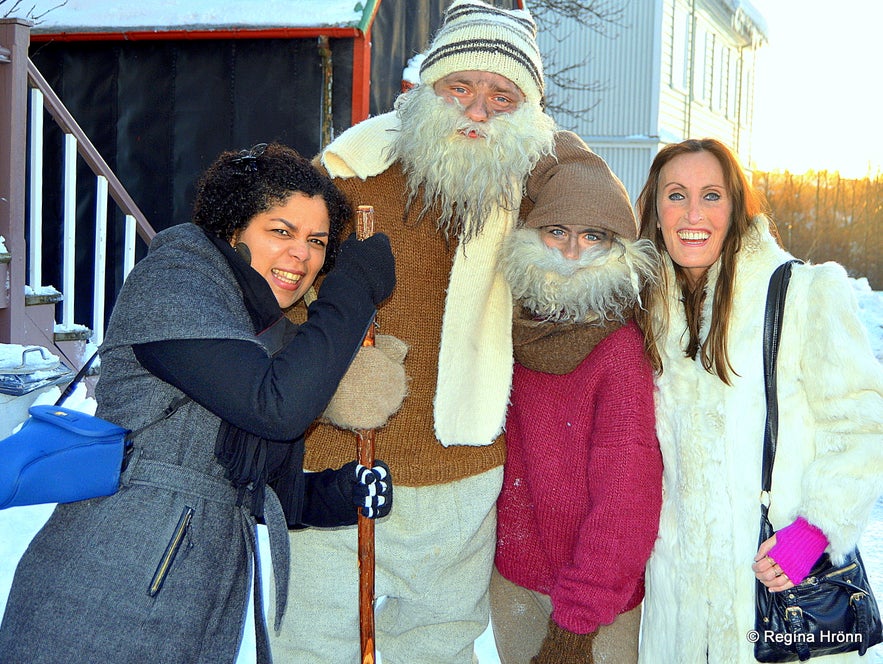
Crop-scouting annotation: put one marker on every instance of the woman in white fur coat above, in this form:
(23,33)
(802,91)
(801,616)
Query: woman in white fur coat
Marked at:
(705,324)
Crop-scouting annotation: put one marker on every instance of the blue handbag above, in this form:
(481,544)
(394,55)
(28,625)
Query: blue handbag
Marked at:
(61,455)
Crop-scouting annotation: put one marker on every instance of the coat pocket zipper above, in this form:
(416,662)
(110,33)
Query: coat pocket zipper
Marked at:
(168,557)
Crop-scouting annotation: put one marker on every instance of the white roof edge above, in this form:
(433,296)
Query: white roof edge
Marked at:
(102,16)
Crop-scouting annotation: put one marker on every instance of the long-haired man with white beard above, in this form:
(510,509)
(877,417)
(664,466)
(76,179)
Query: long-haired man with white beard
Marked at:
(445,173)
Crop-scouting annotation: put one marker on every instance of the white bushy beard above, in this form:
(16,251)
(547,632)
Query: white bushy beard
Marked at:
(603,284)
(474,175)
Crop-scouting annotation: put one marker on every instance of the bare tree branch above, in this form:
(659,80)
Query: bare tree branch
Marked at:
(605,17)
(8,12)
(31,14)
(568,81)
(602,16)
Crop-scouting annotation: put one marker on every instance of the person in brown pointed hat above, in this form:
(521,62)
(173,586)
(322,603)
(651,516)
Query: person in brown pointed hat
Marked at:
(579,508)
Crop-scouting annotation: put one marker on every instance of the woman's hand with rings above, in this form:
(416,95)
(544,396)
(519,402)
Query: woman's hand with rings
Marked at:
(767,571)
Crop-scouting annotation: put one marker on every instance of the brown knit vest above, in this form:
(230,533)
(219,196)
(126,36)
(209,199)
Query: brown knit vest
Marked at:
(413,314)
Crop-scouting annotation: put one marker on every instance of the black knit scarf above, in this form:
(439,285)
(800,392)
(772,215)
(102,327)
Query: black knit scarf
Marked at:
(246,456)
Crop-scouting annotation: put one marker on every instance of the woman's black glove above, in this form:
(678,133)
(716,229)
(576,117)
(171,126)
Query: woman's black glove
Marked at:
(370,488)
(369,262)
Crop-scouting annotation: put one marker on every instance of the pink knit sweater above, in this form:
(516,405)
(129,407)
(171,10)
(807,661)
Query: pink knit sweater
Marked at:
(579,509)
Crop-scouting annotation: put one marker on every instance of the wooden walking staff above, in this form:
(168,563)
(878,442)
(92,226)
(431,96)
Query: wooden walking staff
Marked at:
(365,456)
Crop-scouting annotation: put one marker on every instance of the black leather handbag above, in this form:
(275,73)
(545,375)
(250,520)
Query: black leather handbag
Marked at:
(833,610)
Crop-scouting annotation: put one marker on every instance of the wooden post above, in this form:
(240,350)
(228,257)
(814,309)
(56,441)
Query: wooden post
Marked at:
(14,40)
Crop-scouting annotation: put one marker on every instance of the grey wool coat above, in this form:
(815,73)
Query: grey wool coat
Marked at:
(99,582)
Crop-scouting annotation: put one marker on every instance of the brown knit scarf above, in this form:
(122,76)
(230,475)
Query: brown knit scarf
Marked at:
(555,348)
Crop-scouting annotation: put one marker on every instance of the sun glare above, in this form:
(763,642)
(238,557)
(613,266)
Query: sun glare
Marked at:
(817,101)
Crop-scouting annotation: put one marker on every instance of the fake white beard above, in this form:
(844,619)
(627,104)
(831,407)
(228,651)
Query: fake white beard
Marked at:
(467,177)
(603,283)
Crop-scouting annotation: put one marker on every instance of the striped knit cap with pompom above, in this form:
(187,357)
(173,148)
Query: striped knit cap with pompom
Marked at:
(478,37)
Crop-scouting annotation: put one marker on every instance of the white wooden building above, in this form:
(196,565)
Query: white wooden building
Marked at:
(670,70)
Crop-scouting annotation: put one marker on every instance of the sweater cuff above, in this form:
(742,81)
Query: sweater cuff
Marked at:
(797,548)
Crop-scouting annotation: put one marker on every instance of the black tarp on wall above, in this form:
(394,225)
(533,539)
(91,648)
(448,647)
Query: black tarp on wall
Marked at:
(160,111)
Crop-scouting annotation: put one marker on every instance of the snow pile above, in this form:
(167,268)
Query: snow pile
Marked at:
(870,311)
(411,73)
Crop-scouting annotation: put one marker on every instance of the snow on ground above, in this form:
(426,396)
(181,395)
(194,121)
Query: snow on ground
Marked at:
(870,310)
(19,524)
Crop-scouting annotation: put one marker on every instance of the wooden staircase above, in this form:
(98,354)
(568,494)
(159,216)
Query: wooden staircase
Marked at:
(32,313)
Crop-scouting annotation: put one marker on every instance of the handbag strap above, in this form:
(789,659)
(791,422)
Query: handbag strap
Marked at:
(169,410)
(772,332)
(73,384)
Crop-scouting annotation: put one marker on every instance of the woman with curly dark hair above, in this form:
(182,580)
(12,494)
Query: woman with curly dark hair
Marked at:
(218,388)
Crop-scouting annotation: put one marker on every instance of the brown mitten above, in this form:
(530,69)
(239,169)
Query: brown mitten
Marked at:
(373,388)
(563,647)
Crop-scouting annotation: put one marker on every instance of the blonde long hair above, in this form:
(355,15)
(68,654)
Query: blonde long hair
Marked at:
(654,318)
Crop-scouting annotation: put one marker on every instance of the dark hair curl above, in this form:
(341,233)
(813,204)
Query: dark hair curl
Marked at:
(240,185)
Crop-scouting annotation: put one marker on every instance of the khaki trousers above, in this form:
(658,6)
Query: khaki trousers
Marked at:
(520,619)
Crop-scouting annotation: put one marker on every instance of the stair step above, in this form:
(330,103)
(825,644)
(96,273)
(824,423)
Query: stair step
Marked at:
(41,310)
(46,296)
(79,334)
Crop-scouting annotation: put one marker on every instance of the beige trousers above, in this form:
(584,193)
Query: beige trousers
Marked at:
(434,556)
(520,619)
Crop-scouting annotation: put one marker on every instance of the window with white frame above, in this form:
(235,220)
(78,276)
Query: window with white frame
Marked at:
(721,80)
(704,46)
(745,93)
(680,51)
(734,88)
